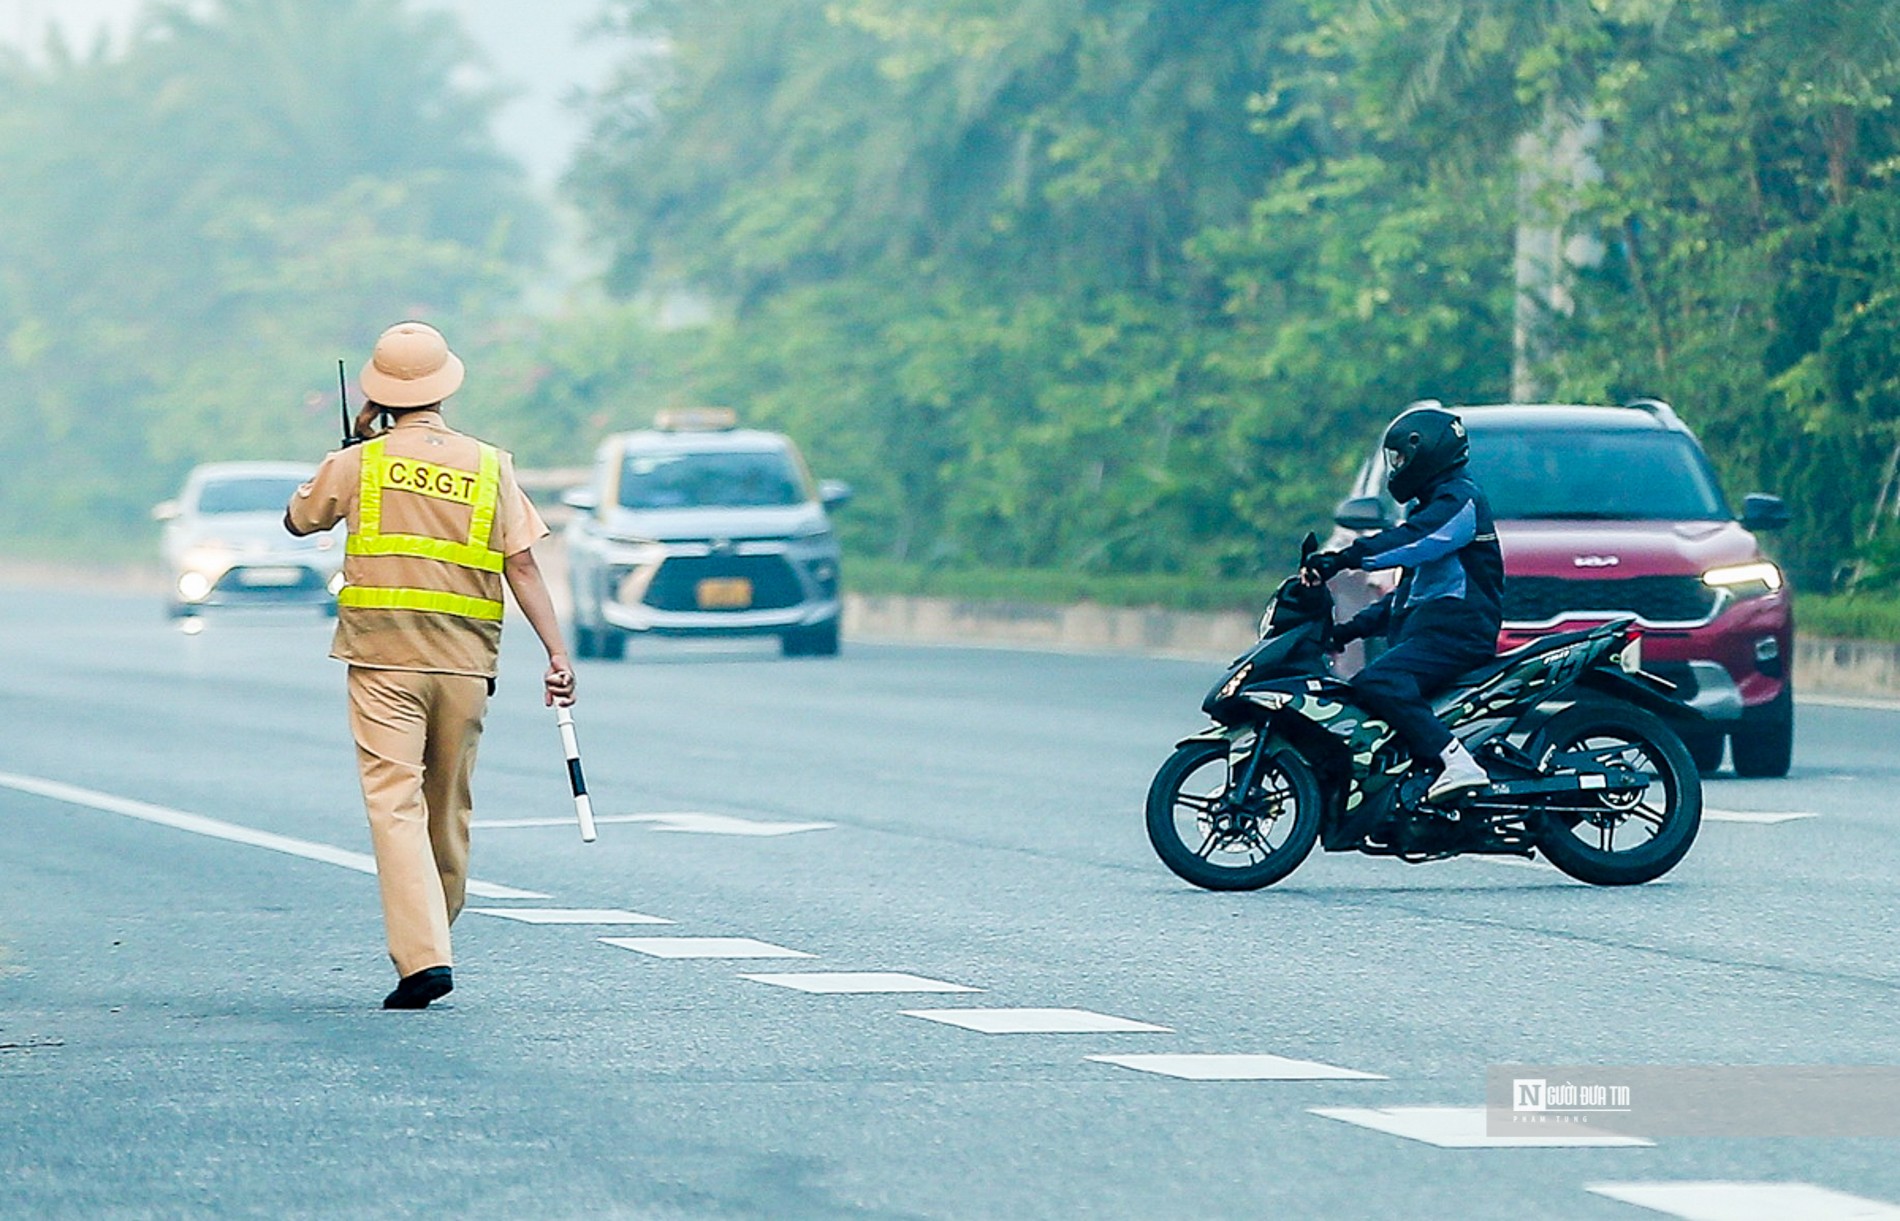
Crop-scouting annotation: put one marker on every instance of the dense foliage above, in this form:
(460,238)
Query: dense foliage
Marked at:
(1113,287)
(1126,286)
(193,230)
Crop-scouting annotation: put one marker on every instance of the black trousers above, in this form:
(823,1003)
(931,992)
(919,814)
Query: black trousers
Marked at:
(1428,652)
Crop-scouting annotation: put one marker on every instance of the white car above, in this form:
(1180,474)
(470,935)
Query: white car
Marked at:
(225,543)
(700,528)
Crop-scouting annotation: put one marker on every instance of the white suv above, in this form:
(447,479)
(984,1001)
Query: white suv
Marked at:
(225,543)
(699,528)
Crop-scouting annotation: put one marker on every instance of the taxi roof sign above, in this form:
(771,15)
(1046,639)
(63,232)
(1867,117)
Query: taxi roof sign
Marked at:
(695,419)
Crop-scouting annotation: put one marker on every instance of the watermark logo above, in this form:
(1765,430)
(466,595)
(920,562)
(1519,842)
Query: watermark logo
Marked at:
(1822,1100)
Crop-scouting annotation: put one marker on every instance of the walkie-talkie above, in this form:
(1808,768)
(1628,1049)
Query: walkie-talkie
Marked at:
(343,402)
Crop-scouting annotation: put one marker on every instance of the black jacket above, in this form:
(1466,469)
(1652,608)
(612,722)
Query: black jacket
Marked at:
(1453,569)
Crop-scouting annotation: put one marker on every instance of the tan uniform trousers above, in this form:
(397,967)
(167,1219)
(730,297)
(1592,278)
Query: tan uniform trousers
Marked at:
(416,734)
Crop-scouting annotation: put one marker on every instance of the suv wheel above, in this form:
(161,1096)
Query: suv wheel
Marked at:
(819,640)
(1763,744)
(1705,748)
(586,641)
(611,642)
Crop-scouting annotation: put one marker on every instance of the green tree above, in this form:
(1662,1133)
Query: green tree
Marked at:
(189,230)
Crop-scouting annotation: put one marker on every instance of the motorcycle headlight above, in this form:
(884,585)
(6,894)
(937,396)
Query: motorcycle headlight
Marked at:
(1745,580)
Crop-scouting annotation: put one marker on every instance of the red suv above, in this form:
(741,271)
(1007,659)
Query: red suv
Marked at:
(1611,511)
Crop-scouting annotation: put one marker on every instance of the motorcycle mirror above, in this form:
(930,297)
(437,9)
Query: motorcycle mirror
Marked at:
(1308,546)
(1363,514)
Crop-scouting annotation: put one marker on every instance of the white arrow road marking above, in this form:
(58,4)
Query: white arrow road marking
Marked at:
(1754,816)
(214,828)
(1461,1128)
(1237,1067)
(704,947)
(1719,1201)
(684,823)
(839,982)
(569,915)
(1033,1021)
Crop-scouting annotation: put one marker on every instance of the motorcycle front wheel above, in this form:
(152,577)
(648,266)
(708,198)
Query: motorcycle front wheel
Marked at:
(1228,841)
(1622,839)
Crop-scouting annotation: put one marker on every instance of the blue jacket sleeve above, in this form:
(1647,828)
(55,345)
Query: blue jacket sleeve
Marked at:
(1442,526)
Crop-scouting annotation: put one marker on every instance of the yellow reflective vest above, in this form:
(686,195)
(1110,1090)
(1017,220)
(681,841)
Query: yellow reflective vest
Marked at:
(480,489)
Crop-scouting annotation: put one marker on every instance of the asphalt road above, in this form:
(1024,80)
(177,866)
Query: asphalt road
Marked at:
(189,1021)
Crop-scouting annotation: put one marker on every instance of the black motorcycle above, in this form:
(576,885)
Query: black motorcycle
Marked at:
(1585,765)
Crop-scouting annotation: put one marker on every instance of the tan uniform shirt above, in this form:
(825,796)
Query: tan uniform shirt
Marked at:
(417,640)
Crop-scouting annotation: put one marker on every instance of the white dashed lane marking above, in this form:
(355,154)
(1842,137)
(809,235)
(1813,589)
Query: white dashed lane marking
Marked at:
(1763,817)
(212,828)
(681,824)
(1723,1201)
(704,947)
(1461,1128)
(1034,1021)
(841,982)
(569,915)
(1237,1067)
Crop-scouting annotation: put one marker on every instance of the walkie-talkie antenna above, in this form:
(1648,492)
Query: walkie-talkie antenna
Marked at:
(343,402)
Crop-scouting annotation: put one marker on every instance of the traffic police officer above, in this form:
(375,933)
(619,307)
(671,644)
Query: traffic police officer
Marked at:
(437,524)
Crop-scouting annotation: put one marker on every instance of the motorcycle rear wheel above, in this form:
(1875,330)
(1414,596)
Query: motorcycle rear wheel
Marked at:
(1219,844)
(1582,843)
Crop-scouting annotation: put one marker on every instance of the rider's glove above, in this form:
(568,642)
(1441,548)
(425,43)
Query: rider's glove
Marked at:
(1324,565)
(1341,635)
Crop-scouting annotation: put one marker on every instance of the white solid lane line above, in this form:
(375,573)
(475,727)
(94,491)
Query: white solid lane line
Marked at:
(214,828)
(1236,1067)
(1034,1021)
(1720,1201)
(858,982)
(569,915)
(704,947)
(1461,1128)
(680,823)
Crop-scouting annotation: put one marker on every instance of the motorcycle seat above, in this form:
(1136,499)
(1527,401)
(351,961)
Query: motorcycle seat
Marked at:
(1505,661)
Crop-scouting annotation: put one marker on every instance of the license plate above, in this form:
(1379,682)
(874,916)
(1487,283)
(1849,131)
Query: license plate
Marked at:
(270,578)
(724,593)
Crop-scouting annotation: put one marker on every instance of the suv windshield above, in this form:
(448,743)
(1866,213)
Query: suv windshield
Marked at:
(1591,473)
(736,479)
(261,494)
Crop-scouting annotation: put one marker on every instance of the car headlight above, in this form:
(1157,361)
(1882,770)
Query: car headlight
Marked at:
(1745,580)
(819,533)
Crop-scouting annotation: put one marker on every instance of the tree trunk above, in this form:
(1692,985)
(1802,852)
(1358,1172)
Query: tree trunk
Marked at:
(1555,164)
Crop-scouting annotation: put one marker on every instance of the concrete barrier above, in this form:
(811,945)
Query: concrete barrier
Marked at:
(1085,627)
(1845,668)
(1822,667)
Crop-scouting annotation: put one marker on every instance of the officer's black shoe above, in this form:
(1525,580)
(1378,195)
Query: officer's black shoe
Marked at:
(416,991)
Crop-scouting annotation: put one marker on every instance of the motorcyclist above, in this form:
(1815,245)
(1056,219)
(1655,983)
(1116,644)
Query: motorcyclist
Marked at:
(1442,620)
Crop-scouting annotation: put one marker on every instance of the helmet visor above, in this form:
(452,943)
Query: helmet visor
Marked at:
(1395,459)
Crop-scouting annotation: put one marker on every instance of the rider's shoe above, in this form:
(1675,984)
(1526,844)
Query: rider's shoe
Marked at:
(1461,774)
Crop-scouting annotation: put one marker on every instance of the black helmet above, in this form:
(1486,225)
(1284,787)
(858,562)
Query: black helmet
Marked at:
(1424,443)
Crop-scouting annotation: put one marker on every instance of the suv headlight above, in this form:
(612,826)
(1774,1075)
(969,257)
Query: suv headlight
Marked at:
(1744,580)
(819,532)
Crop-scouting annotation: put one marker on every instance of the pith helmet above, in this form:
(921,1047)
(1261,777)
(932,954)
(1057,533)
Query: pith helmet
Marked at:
(411,367)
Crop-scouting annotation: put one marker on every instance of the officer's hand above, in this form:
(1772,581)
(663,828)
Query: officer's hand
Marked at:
(559,681)
(367,425)
(1341,635)
(1321,567)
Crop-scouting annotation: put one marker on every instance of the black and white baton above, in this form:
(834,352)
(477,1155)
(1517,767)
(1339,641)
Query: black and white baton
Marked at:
(583,809)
